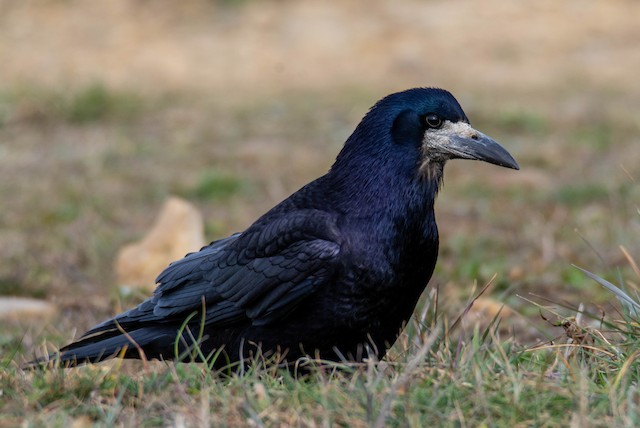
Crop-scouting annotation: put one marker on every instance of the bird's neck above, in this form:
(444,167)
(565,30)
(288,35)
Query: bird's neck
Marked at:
(390,222)
(383,189)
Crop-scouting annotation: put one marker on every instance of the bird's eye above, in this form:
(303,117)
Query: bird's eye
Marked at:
(433,120)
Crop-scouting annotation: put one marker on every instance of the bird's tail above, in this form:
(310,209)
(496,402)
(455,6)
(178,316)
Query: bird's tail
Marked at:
(144,343)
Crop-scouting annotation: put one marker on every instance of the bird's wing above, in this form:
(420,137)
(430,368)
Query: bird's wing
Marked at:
(258,275)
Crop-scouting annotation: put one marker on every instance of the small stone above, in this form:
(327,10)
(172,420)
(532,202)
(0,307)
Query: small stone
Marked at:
(22,309)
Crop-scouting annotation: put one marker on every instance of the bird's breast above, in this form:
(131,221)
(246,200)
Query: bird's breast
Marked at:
(387,259)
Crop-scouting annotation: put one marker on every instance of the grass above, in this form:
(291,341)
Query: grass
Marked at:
(213,185)
(94,102)
(432,378)
(110,166)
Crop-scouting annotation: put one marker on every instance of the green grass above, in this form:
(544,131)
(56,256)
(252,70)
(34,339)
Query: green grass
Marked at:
(581,194)
(435,380)
(434,375)
(94,102)
(215,186)
(523,121)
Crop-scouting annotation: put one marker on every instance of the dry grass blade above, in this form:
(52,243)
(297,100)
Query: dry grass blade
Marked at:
(631,261)
(631,305)
(470,304)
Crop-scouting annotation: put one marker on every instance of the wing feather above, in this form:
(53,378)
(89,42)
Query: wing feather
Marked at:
(259,275)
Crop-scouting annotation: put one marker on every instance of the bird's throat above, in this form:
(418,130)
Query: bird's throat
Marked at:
(432,170)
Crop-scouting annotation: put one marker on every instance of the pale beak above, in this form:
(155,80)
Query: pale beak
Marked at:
(460,141)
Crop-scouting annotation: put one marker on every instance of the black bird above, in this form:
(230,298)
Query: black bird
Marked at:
(332,272)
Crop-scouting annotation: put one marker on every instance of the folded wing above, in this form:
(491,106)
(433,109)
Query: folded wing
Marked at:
(257,276)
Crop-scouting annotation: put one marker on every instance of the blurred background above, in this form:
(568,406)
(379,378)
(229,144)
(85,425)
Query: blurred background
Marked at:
(109,108)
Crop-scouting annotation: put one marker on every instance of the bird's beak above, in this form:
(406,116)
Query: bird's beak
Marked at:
(481,147)
(460,141)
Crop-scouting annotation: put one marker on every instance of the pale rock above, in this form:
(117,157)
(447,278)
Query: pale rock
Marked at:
(24,309)
(178,230)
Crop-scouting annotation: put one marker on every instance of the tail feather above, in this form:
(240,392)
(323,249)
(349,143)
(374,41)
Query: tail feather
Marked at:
(146,343)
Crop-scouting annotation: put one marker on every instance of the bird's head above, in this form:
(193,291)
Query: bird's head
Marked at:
(428,126)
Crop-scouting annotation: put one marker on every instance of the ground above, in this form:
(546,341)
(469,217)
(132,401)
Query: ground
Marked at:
(108,108)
